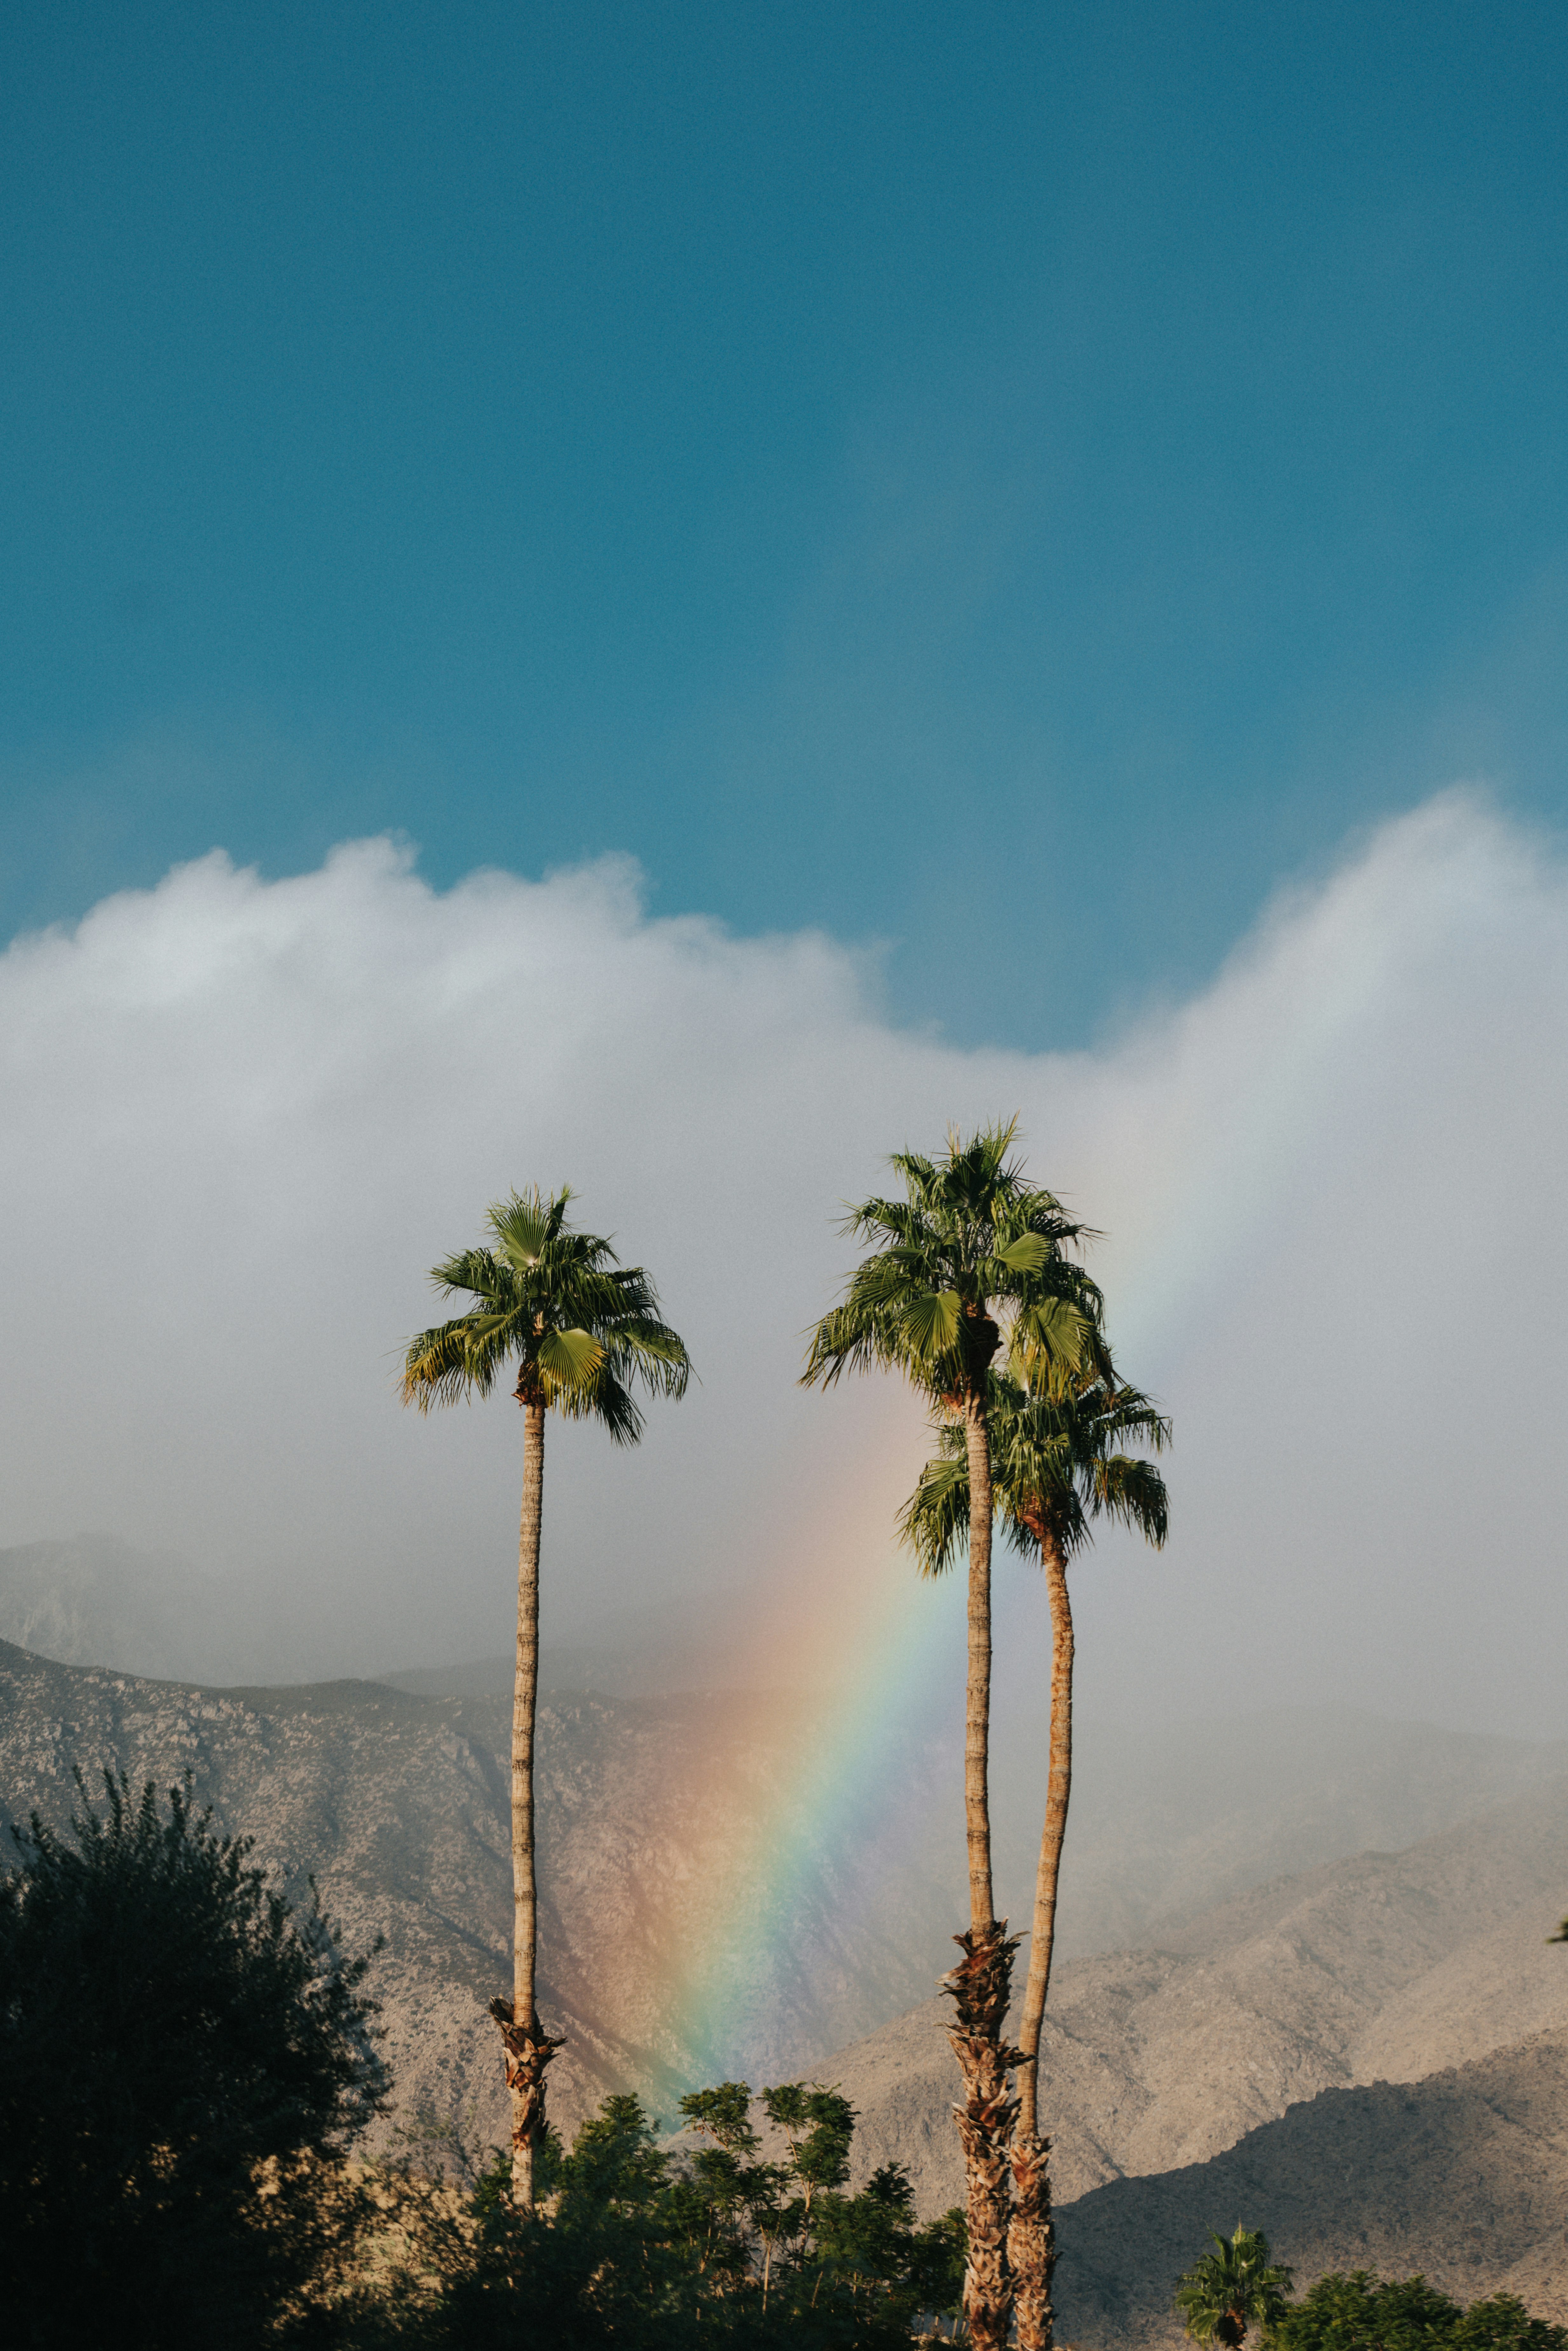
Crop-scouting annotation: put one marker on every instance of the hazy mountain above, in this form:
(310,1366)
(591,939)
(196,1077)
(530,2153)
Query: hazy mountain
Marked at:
(659,1820)
(1380,1964)
(399,1805)
(96,1601)
(1212,2073)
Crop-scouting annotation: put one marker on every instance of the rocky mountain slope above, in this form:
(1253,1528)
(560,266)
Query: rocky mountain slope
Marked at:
(1462,2176)
(648,1815)
(1224,2041)
(1378,1966)
(1165,1820)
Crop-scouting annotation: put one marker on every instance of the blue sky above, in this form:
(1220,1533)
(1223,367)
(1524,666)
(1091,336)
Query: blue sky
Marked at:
(1010,481)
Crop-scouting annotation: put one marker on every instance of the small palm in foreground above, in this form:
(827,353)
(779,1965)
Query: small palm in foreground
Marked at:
(1231,2289)
(580,1328)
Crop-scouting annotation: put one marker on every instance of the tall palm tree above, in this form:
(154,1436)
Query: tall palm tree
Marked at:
(970,1242)
(582,1328)
(1055,1469)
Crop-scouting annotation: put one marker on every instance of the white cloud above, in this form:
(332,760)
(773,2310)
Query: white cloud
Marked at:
(242,1118)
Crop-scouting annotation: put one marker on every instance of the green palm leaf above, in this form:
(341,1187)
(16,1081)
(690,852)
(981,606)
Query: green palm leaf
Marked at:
(570,1358)
(930,1320)
(526,1224)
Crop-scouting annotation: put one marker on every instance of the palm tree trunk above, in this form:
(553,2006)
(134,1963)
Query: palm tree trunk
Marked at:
(1058,1789)
(528,2049)
(981,1984)
(977,1695)
(1031,2243)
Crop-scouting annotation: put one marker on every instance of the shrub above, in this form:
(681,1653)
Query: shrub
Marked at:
(1361,2313)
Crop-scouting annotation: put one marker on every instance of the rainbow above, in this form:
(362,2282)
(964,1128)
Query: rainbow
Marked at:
(1187,1177)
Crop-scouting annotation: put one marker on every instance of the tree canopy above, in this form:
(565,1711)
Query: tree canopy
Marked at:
(184,2064)
(1056,1466)
(580,1325)
(970,1241)
(1361,2313)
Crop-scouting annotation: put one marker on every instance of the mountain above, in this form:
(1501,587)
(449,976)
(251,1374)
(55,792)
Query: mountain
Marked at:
(1379,1965)
(649,1816)
(1462,2176)
(1229,2068)
(1222,2041)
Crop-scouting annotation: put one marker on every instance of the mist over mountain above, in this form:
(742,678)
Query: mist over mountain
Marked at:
(96,1600)
(658,1817)
(1165,1820)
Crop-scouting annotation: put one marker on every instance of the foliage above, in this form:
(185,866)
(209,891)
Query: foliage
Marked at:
(581,1325)
(1055,1469)
(184,2063)
(1231,2289)
(1359,2312)
(636,2246)
(969,1239)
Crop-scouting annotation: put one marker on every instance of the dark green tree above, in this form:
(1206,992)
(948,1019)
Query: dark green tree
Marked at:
(971,1247)
(184,2064)
(1233,2288)
(1361,2313)
(633,2249)
(583,1329)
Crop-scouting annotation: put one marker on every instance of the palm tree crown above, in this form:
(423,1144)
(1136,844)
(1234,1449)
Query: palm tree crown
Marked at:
(1054,1470)
(970,1238)
(1237,2287)
(581,1325)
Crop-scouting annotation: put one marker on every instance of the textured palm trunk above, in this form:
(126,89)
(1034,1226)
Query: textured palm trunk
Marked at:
(528,2049)
(1031,2243)
(977,1695)
(981,1984)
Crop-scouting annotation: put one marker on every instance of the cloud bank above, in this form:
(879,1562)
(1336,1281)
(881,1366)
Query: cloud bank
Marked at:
(242,1118)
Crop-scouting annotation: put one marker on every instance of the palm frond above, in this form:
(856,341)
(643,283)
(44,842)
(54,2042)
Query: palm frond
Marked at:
(934,1522)
(569,1359)
(605,1400)
(476,1272)
(456,1358)
(643,1345)
(931,1320)
(1050,1334)
(855,1337)
(1132,1493)
(526,1224)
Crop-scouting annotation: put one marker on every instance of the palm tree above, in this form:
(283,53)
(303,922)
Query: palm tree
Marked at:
(971,1240)
(1055,1469)
(1225,2292)
(583,1328)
